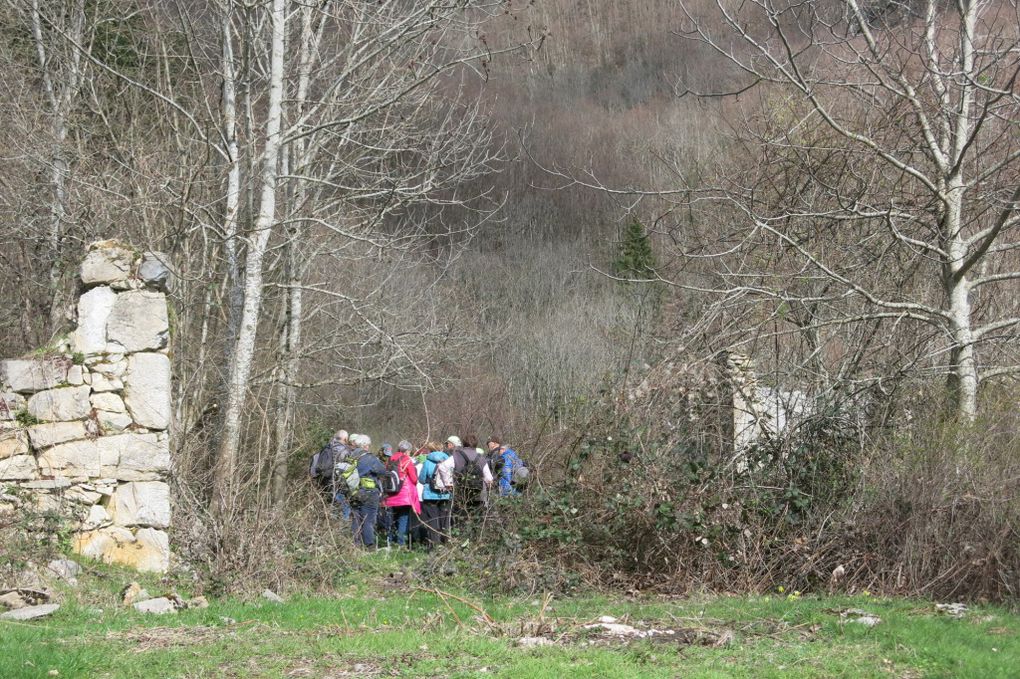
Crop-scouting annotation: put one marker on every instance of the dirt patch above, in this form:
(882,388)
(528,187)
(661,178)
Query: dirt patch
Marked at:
(161,638)
(309,668)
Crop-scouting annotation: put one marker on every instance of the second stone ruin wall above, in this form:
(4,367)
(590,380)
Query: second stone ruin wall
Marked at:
(84,427)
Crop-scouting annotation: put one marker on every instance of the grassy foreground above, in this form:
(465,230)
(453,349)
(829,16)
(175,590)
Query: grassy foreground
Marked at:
(382,626)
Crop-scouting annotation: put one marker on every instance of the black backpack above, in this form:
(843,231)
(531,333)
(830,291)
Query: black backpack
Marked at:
(390,482)
(470,475)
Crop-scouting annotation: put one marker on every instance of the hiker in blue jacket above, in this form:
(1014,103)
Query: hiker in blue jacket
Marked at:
(506,460)
(365,501)
(436,497)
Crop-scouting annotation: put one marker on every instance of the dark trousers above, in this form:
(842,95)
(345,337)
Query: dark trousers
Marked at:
(435,514)
(363,517)
(468,509)
(384,522)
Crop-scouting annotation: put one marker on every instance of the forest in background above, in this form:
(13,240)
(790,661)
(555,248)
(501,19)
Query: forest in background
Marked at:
(545,220)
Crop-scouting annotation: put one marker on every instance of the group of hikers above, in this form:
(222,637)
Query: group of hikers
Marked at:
(414,496)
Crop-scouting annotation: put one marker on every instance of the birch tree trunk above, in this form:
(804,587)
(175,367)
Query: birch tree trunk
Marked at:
(235,294)
(225,477)
(290,355)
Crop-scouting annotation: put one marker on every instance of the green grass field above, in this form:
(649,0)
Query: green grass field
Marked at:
(378,628)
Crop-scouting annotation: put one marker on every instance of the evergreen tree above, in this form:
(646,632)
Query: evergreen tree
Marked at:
(636,259)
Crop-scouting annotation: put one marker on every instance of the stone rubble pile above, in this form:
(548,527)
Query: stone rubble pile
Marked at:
(84,429)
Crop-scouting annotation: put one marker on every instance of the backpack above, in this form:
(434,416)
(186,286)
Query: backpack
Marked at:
(435,480)
(391,483)
(519,475)
(353,481)
(470,476)
(346,477)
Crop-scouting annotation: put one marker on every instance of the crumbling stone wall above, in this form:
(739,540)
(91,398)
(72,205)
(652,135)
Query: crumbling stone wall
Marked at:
(84,426)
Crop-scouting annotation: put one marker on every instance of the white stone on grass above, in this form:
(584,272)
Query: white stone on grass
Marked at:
(139,321)
(147,390)
(158,606)
(56,405)
(30,612)
(52,433)
(94,308)
(270,595)
(65,569)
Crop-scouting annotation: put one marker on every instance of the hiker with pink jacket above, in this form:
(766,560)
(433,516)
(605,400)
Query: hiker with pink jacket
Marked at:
(405,499)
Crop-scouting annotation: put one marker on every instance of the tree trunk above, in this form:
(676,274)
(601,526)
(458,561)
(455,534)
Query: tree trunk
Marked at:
(289,374)
(963,374)
(235,293)
(225,476)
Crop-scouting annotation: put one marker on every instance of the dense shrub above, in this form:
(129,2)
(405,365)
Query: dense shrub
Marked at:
(928,510)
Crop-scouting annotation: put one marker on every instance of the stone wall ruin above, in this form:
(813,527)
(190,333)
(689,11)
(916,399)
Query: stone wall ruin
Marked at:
(84,426)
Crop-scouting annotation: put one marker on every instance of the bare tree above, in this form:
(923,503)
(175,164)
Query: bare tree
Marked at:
(882,191)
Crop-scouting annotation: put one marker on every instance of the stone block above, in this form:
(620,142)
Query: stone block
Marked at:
(139,321)
(111,403)
(55,405)
(30,612)
(18,468)
(76,459)
(94,308)
(158,606)
(13,442)
(101,383)
(110,369)
(128,457)
(11,403)
(96,518)
(109,262)
(141,457)
(152,552)
(83,494)
(142,503)
(154,271)
(28,376)
(47,484)
(52,433)
(113,423)
(98,544)
(147,390)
